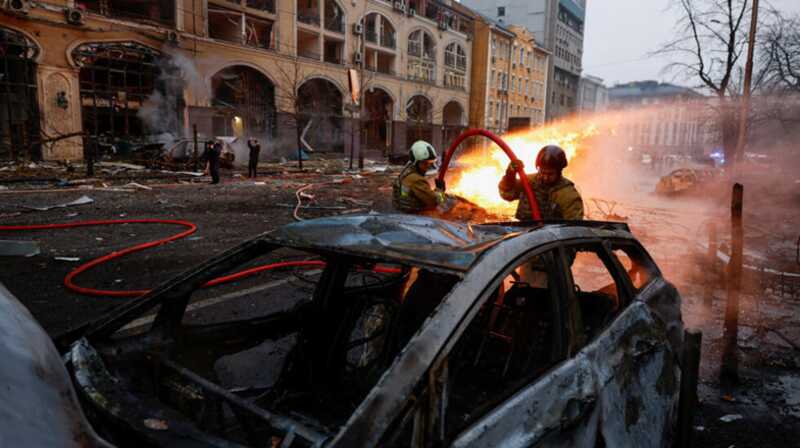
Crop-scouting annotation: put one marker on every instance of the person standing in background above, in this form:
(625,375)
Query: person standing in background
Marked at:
(211,155)
(255,151)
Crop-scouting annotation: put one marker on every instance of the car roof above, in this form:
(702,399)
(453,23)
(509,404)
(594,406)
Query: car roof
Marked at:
(421,240)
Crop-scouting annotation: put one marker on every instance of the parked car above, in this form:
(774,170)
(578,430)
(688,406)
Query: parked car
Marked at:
(416,332)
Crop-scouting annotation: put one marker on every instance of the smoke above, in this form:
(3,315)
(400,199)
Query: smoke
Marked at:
(617,157)
(161,112)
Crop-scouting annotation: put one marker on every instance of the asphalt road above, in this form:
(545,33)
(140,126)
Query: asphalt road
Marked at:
(225,214)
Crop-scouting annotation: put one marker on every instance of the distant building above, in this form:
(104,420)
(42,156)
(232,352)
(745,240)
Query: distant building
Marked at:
(96,71)
(490,76)
(558,26)
(592,95)
(670,119)
(527,100)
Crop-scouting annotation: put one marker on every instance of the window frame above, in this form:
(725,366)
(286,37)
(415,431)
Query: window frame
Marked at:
(625,292)
(557,274)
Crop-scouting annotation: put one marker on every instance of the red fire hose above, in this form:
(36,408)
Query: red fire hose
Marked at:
(535,214)
(190,229)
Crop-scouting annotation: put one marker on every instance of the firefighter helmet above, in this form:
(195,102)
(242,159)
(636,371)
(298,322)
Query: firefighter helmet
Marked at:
(421,151)
(551,156)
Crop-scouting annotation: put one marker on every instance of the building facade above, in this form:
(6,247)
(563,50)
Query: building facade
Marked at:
(664,119)
(592,95)
(87,73)
(527,101)
(558,25)
(491,68)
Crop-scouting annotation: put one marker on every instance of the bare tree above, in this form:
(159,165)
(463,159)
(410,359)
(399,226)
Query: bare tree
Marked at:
(711,39)
(780,53)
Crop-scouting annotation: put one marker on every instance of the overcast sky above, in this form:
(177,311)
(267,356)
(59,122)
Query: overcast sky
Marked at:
(620,33)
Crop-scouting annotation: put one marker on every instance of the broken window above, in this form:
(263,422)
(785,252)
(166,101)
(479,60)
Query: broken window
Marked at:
(244,100)
(378,30)
(19,106)
(378,112)
(422,57)
(419,119)
(334,51)
(452,121)
(334,17)
(455,57)
(320,102)
(597,292)
(308,12)
(637,264)
(516,336)
(240,28)
(308,44)
(161,11)
(129,93)
(421,45)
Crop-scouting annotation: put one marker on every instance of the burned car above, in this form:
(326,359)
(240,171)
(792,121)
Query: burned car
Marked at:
(409,331)
(690,181)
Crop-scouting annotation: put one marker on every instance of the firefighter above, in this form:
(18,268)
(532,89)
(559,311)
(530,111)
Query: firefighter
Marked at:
(557,197)
(411,193)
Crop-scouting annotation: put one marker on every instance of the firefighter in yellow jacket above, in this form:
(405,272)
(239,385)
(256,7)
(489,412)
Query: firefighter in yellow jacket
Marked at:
(411,192)
(557,197)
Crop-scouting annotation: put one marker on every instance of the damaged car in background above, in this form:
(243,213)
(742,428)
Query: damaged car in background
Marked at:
(408,331)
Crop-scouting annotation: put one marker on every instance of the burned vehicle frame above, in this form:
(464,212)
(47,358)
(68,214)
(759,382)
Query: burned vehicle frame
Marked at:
(481,344)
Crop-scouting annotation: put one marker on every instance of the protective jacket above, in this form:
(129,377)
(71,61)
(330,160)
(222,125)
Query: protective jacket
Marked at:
(411,193)
(558,201)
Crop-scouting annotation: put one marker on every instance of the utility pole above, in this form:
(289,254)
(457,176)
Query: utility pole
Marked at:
(748,80)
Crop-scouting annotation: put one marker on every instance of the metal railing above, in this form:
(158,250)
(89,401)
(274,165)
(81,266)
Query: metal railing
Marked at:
(309,17)
(335,24)
(263,5)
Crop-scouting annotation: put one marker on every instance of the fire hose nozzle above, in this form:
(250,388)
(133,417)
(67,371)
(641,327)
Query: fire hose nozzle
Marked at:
(440,184)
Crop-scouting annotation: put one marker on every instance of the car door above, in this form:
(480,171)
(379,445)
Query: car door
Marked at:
(551,404)
(626,348)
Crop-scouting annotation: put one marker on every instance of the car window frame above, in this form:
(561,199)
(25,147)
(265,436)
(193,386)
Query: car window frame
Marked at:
(625,291)
(651,265)
(439,365)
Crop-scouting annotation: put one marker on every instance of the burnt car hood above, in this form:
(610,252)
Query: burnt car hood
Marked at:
(39,406)
(395,237)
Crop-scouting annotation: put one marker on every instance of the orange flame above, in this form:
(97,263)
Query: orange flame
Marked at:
(480,170)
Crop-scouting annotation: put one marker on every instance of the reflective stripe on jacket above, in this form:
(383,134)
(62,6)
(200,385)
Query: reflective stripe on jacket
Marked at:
(411,193)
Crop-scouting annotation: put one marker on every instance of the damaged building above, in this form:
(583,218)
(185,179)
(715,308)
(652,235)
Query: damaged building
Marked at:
(114,75)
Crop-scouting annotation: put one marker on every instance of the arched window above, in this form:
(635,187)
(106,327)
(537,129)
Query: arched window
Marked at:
(19,105)
(455,57)
(422,57)
(378,30)
(421,45)
(334,17)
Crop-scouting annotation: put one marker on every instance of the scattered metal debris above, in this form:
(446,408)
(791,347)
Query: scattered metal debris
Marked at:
(14,248)
(731,418)
(83,200)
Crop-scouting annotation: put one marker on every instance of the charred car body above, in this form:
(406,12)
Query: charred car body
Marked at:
(416,332)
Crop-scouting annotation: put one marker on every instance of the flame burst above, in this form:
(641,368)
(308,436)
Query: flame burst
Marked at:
(478,171)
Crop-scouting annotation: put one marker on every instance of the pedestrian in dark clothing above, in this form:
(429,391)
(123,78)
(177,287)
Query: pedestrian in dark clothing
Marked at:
(255,151)
(212,153)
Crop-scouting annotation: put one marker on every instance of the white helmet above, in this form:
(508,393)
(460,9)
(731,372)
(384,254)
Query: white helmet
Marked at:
(421,151)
